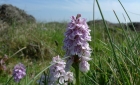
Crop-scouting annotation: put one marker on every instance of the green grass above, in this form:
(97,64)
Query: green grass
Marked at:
(39,39)
(115,52)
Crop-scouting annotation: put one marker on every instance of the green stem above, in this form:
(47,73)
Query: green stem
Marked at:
(77,75)
(9,80)
(76,67)
(112,46)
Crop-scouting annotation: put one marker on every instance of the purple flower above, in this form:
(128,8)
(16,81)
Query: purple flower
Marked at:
(67,76)
(76,40)
(19,72)
(76,37)
(84,66)
(58,73)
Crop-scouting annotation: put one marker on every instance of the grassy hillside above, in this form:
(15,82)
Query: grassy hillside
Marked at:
(34,45)
(115,51)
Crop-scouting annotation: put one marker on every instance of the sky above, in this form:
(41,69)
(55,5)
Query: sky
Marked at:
(62,10)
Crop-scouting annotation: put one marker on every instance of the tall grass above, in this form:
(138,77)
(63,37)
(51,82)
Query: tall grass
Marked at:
(115,52)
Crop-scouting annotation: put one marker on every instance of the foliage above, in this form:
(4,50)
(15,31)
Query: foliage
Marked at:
(115,52)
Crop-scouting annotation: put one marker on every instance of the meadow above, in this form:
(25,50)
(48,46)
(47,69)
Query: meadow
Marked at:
(115,52)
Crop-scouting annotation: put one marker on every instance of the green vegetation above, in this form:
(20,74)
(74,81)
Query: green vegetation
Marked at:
(45,40)
(115,52)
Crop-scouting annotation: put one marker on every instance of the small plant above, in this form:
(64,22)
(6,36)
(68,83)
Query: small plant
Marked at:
(77,53)
(76,45)
(19,72)
(57,73)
